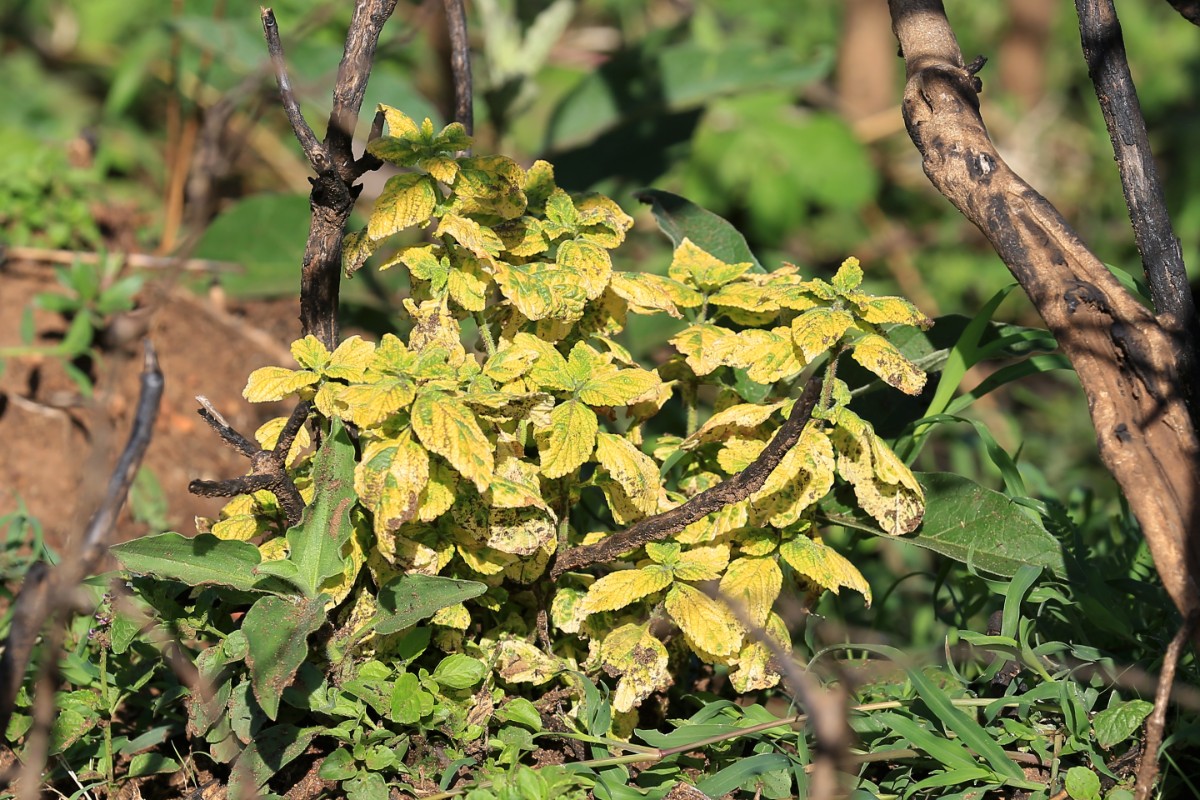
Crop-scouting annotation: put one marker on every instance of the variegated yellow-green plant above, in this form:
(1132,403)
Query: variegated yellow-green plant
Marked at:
(472,464)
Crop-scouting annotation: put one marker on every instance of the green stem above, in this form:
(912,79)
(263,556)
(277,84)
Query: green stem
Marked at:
(485,333)
(105,698)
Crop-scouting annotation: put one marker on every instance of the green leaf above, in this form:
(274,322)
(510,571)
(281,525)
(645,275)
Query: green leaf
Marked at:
(1082,784)
(271,750)
(277,631)
(338,765)
(198,561)
(726,780)
(150,764)
(265,234)
(408,599)
(1115,725)
(974,525)
(682,219)
(316,544)
(522,712)
(948,752)
(459,671)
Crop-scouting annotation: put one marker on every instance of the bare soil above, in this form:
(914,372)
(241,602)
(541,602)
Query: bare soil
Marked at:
(58,447)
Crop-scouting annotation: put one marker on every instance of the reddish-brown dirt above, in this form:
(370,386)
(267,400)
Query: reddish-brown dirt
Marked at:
(59,448)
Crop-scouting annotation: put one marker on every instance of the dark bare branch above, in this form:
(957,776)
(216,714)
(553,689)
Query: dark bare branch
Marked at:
(313,149)
(1189,9)
(1125,361)
(48,593)
(1162,259)
(1148,768)
(460,63)
(727,492)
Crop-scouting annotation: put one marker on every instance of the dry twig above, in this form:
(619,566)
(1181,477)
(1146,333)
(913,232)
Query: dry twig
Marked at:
(460,64)
(1148,769)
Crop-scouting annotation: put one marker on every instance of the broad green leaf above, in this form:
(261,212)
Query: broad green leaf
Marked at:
(635,471)
(818,330)
(1118,723)
(682,219)
(408,599)
(447,427)
(703,270)
(823,566)
(569,440)
(632,652)
(277,630)
(883,358)
(707,623)
(755,583)
(1082,783)
(406,200)
(459,671)
(197,561)
(316,545)
(618,589)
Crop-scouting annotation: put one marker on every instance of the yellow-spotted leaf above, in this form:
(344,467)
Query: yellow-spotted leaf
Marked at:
(590,262)
(613,387)
(602,221)
(702,563)
(417,549)
(569,440)
(767,356)
(635,471)
(704,621)
(433,325)
(516,485)
(367,405)
(456,616)
(746,296)
(803,476)
(848,277)
(698,343)
(897,506)
(647,293)
(823,566)
(528,569)
(755,583)
(489,185)
(389,479)
(888,311)
(718,523)
(274,549)
(522,237)
(438,495)
(618,589)
(468,284)
(741,418)
(357,247)
(566,609)
(447,427)
(755,668)
(350,360)
(519,531)
(640,660)
(541,291)
(736,454)
(510,363)
(624,511)
(818,330)
(883,358)
(706,272)
(480,240)
(405,200)
(275,383)
(518,661)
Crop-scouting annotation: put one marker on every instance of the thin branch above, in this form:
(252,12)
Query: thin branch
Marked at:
(1148,769)
(48,594)
(1190,9)
(728,492)
(1125,361)
(1162,259)
(313,149)
(460,64)
(134,260)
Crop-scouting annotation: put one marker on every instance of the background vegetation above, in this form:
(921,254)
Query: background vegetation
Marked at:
(155,127)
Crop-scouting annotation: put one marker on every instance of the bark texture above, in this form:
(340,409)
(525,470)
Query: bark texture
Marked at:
(1126,362)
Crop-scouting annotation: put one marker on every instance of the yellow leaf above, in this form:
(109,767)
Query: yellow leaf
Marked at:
(417,549)
(442,168)
(489,185)
(541,291)
(618,589)
(698,344)
(746,296)
(338,587)
(516,485)
(755,668)
(702,563)
(818,330)
(718,523)
(823,566)
(531,568)
(267,437)
(350,360)
(883,485)
(702,270)
(274,549)
(522,236)
(398,123)
(480,240)
(367,405)
(882,358)
(755,583)
(566,609)
(706,622)
(848,277)
(603,220)
(275,383)
(447,427)
(357,247)
(648,293)
(240,527)
(519,531)
(635,471)
(888,310)
(438,495)
(757,541)
(735,419)
(485,560)
(569,440)
(405,200)
(509,363)
(607,386)
(736,454)
(632,652)
(433,326)
(455,616)
(389,480)
(468,284)
(590,262)
(539,183)
(767,356)
(802,477)
(520,662)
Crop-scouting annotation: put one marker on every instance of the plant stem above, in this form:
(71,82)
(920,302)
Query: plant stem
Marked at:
(485,333)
